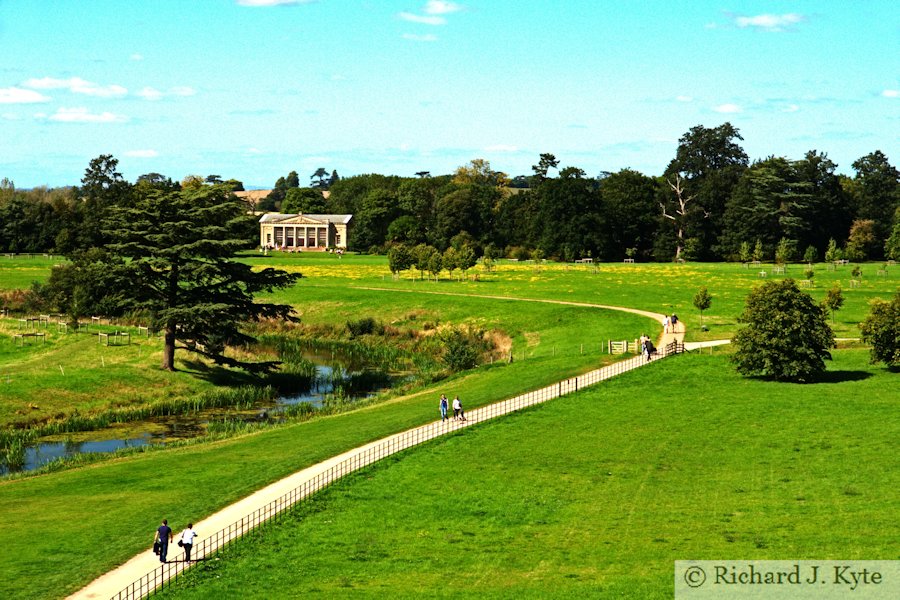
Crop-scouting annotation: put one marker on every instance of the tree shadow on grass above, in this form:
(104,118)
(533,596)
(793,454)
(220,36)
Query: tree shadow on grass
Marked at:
(842,376)
(823,378)
(220,376)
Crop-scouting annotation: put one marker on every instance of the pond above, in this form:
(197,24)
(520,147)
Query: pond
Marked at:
(334,376)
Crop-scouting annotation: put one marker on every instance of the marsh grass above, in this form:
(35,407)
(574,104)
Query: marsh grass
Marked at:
(14,441)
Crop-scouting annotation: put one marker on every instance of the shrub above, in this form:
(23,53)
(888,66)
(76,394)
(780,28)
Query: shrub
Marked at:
(462,347)
(364,326)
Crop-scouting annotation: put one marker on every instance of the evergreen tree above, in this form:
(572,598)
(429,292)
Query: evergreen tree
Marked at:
(179,249)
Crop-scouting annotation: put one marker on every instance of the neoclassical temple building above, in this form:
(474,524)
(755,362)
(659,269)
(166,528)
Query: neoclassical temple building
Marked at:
(304,232)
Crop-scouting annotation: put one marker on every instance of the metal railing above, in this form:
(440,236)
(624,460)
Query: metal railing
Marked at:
(169,572)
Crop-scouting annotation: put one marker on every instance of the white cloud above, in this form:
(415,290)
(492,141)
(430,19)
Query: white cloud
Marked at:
(182,90)
(684,98)
(768,22)
(502,148)
(439,7)
(83,115)
(14,95)
(77,85)
(728,108)
(426,20)
(273,2)
(430,37)
(790,108)
(153,94)
(891,93)
(149,93)
(9,117)
(142,153)
(136,56)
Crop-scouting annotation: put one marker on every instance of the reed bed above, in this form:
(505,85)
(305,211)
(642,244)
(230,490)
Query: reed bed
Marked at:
(13,442)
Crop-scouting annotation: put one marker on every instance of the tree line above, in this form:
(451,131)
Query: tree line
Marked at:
(711,203)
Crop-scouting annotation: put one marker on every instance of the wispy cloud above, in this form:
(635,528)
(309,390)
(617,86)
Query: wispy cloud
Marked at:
(82,115)
(684,98)
(790,108)
(77,85)
(728,108)
(136,56)
(429,37)
(256,3)
(432,13)
(424,19)
(15,95)
(150,93)
(891,93)
(768,22)
(182,90)
(142,153)
(153,94)
(439,7)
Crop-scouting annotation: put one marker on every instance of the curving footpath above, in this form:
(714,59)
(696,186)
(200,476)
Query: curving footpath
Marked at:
(143,573)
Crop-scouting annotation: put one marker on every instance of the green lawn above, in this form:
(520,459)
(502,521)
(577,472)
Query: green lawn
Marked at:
(597,494)
(53,520)
(129,495)
(658,287)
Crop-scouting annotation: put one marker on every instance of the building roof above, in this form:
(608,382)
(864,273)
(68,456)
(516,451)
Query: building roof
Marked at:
(279,217)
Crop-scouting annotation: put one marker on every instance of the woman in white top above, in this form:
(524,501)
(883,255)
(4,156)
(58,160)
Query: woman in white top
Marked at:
(187,541)
(457,410)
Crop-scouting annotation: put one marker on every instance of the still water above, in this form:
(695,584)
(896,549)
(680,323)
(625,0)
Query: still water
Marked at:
(355,383)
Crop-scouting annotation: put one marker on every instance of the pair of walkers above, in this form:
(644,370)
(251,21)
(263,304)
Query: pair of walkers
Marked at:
(164,535)
(647,347)
(669,323)
(458,414)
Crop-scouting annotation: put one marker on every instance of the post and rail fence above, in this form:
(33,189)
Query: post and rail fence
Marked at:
(168,573)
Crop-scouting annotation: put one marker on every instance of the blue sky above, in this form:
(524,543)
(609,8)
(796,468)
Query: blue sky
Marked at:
(252,89)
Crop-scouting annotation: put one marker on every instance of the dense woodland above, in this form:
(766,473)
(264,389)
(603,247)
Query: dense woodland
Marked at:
(711,203)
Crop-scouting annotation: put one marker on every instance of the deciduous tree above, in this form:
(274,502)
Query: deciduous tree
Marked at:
(785,335)
(834,300)
(702,301)
(881,329)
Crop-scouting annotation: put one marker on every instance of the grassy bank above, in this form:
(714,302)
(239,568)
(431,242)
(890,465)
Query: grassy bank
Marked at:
(597,494)
(52,539)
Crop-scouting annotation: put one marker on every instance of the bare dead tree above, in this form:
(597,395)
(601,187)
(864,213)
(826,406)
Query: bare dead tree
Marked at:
(680,216)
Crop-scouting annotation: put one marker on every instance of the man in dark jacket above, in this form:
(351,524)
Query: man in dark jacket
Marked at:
(163,536)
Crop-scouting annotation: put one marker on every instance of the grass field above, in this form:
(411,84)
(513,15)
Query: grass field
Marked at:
(52,537)
(597,494)
(129,495)
(657,287)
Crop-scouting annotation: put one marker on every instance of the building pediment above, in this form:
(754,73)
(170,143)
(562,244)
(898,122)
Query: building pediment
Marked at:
(302,220)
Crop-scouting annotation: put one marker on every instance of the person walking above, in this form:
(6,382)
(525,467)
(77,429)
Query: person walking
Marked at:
(443,407)
(163,536)
(187,541)
(458,409)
